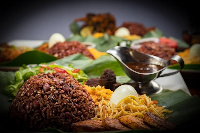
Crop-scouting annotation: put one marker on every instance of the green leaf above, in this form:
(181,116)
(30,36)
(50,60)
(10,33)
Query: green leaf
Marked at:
(169,98)
(186,67)
(76,60)
(75,28)
(186,113)
(30,57)
(102,43)
(185,107)
(96,68)
(76,38)
(154,33)
(6,79)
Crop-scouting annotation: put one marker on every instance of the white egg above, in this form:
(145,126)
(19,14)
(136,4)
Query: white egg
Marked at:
(121,92)
(194,50)
(56,37)
(122,31)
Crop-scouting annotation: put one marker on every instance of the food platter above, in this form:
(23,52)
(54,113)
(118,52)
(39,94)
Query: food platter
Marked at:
(174,83)
(74,84)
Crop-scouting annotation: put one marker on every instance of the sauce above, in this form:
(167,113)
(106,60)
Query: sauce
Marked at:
(144,68)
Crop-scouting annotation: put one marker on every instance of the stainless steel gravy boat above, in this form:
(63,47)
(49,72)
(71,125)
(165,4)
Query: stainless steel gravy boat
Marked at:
(143,82)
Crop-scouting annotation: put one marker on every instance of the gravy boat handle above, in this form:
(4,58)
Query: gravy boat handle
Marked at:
(177,59)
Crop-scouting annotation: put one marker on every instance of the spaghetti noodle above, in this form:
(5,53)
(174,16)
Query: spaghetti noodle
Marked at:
(130,105)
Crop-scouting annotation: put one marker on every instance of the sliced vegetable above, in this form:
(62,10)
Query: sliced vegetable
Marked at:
(76,70)
(86,31)
(60,70)
(172,43)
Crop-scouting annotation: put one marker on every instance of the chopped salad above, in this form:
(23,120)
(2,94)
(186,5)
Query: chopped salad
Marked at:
(26,72)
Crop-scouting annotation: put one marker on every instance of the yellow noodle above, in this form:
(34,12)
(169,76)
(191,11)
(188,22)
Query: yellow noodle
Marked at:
(130,106)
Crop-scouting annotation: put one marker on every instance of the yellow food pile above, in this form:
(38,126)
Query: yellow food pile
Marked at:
(8,53)
(97,35)
(185,55)
(96,53)
(99,93)
(131,105)
(132,37)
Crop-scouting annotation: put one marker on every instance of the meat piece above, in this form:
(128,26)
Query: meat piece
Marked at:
(135,28)
(157,49)
(108,78)
(93,82)
(113,124)
(115,86)
(103,22)
(90,125)
(133,122)
(157,122)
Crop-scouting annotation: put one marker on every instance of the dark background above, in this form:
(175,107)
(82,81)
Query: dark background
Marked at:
(37,20)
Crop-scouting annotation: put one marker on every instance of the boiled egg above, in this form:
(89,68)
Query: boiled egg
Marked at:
(194,50)
(122,31)
(54,38)
(121,92)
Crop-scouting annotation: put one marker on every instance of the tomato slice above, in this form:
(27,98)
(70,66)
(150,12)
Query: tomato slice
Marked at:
(60,70)
(170,42)
(76,70)
(41,70)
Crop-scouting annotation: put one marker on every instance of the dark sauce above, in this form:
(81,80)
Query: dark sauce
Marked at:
(144,68)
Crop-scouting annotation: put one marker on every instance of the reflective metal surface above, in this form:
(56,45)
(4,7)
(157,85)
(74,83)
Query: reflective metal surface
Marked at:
(144,83)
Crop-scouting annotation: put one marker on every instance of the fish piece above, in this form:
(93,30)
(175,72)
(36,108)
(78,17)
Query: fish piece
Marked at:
(113,124)
(157,122)
(90,125)
(133,122)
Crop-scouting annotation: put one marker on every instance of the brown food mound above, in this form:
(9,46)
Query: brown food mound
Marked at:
(62,49)
(51,100)
(103,22)
(107,79)
(135,28)
(163,51)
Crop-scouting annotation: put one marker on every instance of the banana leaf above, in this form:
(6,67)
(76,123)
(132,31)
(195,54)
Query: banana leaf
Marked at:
(30,57)
(186,67)
(94,68)
(185,108)
(102,43)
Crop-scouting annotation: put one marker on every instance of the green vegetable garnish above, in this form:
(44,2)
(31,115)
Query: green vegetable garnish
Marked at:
(26,72)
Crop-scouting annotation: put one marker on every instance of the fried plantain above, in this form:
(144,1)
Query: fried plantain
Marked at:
(113,124)
(157,122)
(133,122)
(90,125)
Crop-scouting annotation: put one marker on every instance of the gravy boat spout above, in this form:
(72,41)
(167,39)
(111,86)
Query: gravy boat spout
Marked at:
(143,68)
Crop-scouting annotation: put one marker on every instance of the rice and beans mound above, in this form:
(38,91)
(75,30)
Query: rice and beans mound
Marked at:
(51,100)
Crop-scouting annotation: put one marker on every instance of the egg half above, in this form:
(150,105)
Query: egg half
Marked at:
(56,37)
(121,92)
(194,50)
